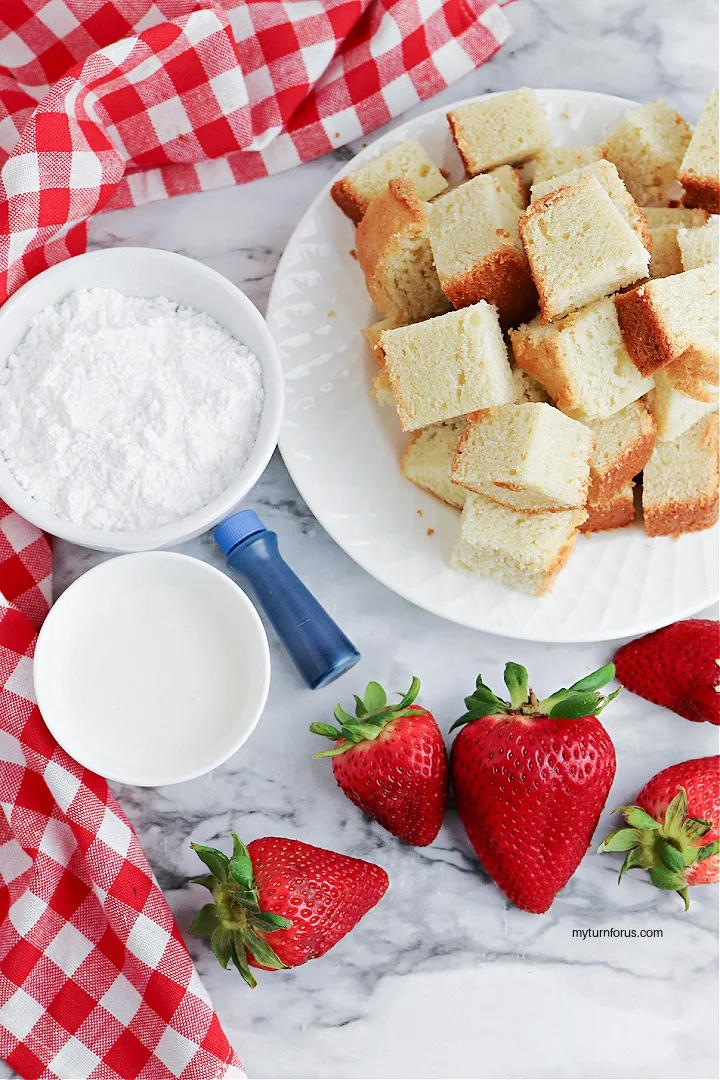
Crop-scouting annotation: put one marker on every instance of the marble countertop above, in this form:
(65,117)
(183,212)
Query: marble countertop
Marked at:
(444,978)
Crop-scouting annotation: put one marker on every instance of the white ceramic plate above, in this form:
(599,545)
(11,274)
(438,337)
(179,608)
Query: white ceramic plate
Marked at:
(342,450)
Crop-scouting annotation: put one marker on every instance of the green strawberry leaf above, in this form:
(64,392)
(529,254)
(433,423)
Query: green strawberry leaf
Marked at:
(216,861)
(360,709)
(239,959)
(708,850)
(327,730)
(208,881)
(267,921)
(676,813)
(596,680)
(241,868)
(684,894)
(637,818)
(341,716)
(662,878)
(205,921)
(575,706)
(516,680)
(375,697)
(220,945)
(262,951)
(411,695)
(633,861)
(620,840)
(363,731)
(695,828)
(672,858)
(604,702)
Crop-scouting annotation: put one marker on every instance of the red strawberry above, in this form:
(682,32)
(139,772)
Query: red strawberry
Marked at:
(676,849)
(678,667)
(390,761)
(279,903)
(530,779)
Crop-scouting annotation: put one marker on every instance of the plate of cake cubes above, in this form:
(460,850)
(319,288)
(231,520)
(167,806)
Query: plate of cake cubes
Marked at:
(499,331)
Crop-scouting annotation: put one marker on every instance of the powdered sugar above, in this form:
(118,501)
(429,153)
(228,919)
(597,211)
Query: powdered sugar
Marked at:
(121,412)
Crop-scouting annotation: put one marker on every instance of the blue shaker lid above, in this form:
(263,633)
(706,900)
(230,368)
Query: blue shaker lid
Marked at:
(235,529)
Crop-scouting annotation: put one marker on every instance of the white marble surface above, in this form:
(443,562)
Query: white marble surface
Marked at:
(444,978)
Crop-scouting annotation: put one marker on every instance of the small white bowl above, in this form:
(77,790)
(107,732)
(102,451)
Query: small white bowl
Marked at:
(149,272)
(152,668)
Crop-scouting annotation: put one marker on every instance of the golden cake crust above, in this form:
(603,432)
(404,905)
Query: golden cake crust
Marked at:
(504,280)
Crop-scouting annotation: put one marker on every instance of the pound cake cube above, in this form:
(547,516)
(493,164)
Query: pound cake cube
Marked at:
(428,458)
(512,184)
(354,193)
(699,247)
(699,173)
(524,551)
(475,242)
(648,145)
(395,256)
(447,366)
(680,482)
(581,362)
(665,259)
(580,247)
(623,445)
(506,129)
(669,318)
(674,215)
(675,412)
(614,513)
(530,457)
(558,160)
(607,176)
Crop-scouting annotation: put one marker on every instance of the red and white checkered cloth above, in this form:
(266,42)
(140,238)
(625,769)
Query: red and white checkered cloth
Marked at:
(109,104)
(95,980)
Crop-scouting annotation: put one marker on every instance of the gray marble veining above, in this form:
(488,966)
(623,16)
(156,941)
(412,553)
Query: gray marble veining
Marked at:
(444,978)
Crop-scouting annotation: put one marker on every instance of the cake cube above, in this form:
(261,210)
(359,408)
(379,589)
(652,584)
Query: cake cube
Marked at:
(428,458)
(395,256)
(557,160)
(581,362)
(613,513)
(673,319)
(623,445)
(665,259)
(699,247)
(674,215)
(447,366)
(580,247)
(527,388)
(675,412)
(512,184)
(607,176)
(680,482)
(505,129)
(476,246)
(648,145)
(354,192)
(524,551)
(699,172)
(530,457)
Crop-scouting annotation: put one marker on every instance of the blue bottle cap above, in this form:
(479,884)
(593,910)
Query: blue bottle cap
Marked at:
(235,529)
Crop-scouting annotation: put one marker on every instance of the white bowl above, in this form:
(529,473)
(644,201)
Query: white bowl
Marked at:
(149,272)
(152,668)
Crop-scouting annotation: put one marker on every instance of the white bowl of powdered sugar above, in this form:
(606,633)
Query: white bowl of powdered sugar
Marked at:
(140,399)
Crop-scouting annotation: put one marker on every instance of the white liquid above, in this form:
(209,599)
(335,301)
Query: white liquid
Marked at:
(152,680)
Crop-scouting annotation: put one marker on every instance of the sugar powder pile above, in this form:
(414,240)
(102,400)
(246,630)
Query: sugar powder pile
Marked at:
(120,412)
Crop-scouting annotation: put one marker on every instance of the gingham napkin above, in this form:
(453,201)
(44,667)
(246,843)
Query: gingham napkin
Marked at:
(108,104)
(95,980)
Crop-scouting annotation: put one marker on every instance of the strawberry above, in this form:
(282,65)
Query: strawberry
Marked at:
(390,761)
(279,903)
(530,779)
(673,828)
(678,667)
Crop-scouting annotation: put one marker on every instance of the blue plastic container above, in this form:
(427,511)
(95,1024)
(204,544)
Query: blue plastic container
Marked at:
(316,643)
